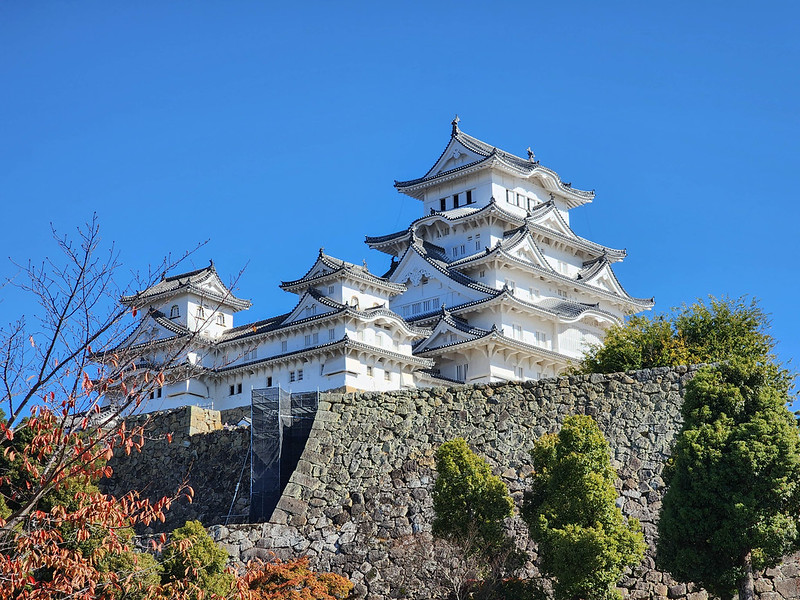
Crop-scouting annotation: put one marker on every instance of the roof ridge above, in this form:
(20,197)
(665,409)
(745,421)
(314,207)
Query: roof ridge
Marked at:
(210,268)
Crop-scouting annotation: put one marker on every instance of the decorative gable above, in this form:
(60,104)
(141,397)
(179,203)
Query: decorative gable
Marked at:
(528,251)
(552,220)
(213,288)
(307,307)
(444,334)
(153,328)
(414,270)
(455,155)
(318,270)
(606,280)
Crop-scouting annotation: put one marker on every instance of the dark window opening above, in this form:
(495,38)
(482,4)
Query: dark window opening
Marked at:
(469,196)
(455,200)
(443,204)
(269,381)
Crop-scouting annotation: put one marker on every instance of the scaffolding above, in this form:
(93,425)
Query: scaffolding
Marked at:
(280,425)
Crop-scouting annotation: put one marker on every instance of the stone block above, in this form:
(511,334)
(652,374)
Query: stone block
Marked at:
(293,506)
(256,553)
(791,567)
(762,584)
(279,516)
(677,591)
(788,588)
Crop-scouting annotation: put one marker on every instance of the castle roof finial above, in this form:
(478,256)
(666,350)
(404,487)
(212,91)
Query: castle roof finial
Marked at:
(454,123)
(321,250)
(531,155)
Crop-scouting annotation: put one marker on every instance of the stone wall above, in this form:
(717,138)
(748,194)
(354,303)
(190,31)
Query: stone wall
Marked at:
(205,448)
(360,499)
(361,493)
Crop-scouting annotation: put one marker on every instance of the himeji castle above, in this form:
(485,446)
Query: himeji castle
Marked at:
(490,284)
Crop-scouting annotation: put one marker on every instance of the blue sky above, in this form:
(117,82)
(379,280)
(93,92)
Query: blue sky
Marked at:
(271,129)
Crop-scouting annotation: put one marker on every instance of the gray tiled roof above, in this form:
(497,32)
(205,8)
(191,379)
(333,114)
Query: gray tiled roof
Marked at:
(555,306)
(339,267)
(343,344)
(276,323)
(487,152)
(574,239)
(496,334)
(436,257)
(190,281)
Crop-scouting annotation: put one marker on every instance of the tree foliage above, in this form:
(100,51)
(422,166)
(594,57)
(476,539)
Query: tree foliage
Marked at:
(584,541)
(470,502)
(733,500)
(73,541)
(193,554)
(703,332)
(292,580)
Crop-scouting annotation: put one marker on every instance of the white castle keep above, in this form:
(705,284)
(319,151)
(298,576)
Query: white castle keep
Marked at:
(491,284)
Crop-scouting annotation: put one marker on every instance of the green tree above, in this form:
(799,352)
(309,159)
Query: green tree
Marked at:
(703,332)
(470,502)
(193,554)
(733,501)
(584,541)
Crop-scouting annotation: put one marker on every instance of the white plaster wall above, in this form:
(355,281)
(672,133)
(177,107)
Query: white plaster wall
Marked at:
(357,375)
(436,291)
(366,298)
(575,339)
(208,324)
(479,183)
(182,302)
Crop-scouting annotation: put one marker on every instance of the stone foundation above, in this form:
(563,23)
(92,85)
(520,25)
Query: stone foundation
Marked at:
(360,499)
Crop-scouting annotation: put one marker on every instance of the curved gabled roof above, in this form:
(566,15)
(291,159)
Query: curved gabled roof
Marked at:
(502,248)
(269,326)
(449,322)
(548,208)
(204,282)
(344,344)
(493,207)
(566,311)
(497,336)
(135,340)
(601,266)
(465,214)
(434,255)
(492,156)
(400,239)
(328,267)
(583,280)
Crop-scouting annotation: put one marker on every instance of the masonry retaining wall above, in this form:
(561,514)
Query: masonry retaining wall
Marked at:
(361,494)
